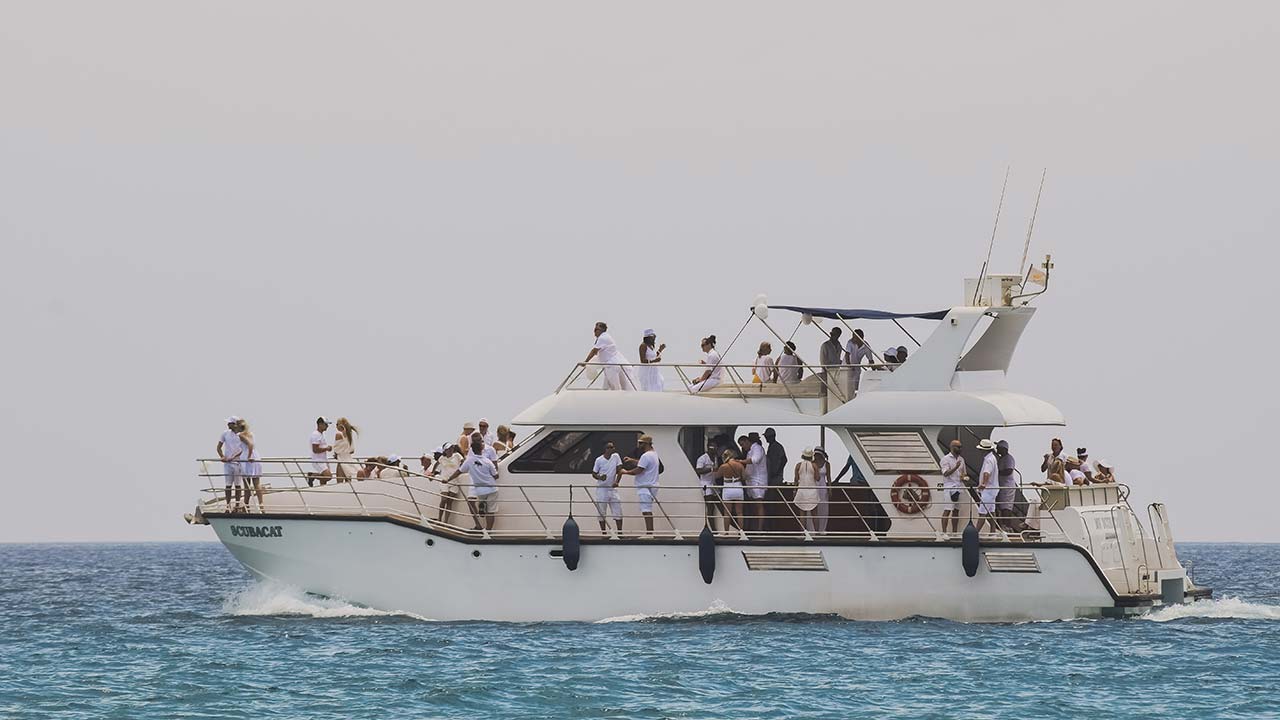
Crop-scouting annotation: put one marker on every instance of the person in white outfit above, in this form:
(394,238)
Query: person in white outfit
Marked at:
(231,450)
(988,485)
(757,477)
(805,480)
(250,467)
(651,355)
(646,475)
(320,448)
(344,450)
(790,367)
(490,436)
(616,373)
(730,473)
(952,488)
(483,497)
(714,372)
(605,471)
(762,370)
(856,352)
(705,468)
(446,467)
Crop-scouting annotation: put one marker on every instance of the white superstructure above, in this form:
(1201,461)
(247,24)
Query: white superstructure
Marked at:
(885,554)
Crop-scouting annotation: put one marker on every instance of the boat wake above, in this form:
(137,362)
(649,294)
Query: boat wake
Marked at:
(1227,608)
(717,608)
(265,598)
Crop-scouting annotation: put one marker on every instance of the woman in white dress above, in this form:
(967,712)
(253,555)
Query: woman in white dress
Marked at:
(617,373)
(344,450)
(821,478)
(711,377)
(763,370)
(251,468)
(650,355)
(806,481)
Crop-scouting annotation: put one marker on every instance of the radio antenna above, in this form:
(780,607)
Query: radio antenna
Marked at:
(983,273)
(1022,266)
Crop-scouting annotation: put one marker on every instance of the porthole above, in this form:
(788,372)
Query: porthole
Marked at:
(430,542)
(475,553)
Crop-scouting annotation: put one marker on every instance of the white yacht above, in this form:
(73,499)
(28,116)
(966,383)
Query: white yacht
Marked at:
(1072,551)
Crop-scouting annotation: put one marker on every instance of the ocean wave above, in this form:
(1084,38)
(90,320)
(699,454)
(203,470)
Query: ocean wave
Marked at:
(717,608)
(266,598)
(1227,608)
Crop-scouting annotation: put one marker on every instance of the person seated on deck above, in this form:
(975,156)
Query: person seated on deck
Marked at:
(393,469)
(1074,475)
(1106,472)
(891,359)
(901,354)
(730,474)
(762,370)
(1086,467)
(711,376)
(790,367)
(371,466)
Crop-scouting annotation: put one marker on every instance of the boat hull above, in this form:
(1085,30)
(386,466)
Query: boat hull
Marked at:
(404,567)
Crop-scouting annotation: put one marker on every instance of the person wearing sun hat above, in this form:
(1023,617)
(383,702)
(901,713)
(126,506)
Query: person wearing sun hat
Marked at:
(988,484)
(806,499)
(1106,472)
(1086,467)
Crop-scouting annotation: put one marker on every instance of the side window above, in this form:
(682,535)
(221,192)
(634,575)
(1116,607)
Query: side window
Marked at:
(573,451)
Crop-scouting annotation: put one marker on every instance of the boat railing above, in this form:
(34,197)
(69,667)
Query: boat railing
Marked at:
(292,486)
(828,382)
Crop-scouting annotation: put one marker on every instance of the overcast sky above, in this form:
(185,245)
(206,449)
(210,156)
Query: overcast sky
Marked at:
(411,214)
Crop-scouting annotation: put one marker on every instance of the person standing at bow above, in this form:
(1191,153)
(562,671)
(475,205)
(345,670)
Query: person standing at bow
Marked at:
(320,448)
(230,450)
(344,450)
(251,467)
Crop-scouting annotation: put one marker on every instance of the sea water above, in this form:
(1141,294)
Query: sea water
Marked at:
(181,631)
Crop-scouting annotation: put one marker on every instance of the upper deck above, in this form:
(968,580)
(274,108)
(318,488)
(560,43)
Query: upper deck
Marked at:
(956,377)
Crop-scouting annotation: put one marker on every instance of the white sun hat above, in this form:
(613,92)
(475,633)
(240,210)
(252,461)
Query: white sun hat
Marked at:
(986,444)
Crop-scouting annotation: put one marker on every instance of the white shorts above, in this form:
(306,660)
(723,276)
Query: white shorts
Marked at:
(607,499)
(987,501)
(757,489)
(646,495)
(319,467)
(956,491)
(732,492)
(708,489)
(231,473)
(487,503)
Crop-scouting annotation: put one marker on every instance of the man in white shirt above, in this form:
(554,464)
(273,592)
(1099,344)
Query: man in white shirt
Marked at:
(483,470)
(988,485)
(705,467)
(605,471)
(789,365)
(646,475)
(320,448)
(856,351)
(231,450)
(490,437)
(952,488)
(616,377)
(757,480)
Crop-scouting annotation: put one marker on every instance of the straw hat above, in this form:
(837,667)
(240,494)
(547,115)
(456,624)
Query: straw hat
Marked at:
(807,454)
(986,444)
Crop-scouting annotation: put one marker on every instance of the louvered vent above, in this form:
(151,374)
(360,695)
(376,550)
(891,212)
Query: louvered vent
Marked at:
(785,560)
(897,452)
(1012,562)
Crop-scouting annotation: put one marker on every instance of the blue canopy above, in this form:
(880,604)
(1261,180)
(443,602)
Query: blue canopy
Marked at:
(856,314)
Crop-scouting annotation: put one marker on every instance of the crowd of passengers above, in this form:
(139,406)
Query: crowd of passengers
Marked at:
(740,481)
(617,373)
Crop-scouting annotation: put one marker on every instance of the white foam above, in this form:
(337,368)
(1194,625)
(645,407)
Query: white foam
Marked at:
(717,608)
(266,598)
(1226,608)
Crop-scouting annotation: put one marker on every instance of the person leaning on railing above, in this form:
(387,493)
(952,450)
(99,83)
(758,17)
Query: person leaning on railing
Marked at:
(448,460)
(483,470)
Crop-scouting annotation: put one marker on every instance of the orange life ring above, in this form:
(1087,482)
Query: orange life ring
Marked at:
(910,494)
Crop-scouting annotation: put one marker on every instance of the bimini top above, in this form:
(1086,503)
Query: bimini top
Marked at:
(859,314)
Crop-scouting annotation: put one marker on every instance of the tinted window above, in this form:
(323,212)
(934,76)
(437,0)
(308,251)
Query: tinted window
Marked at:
(573,451)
